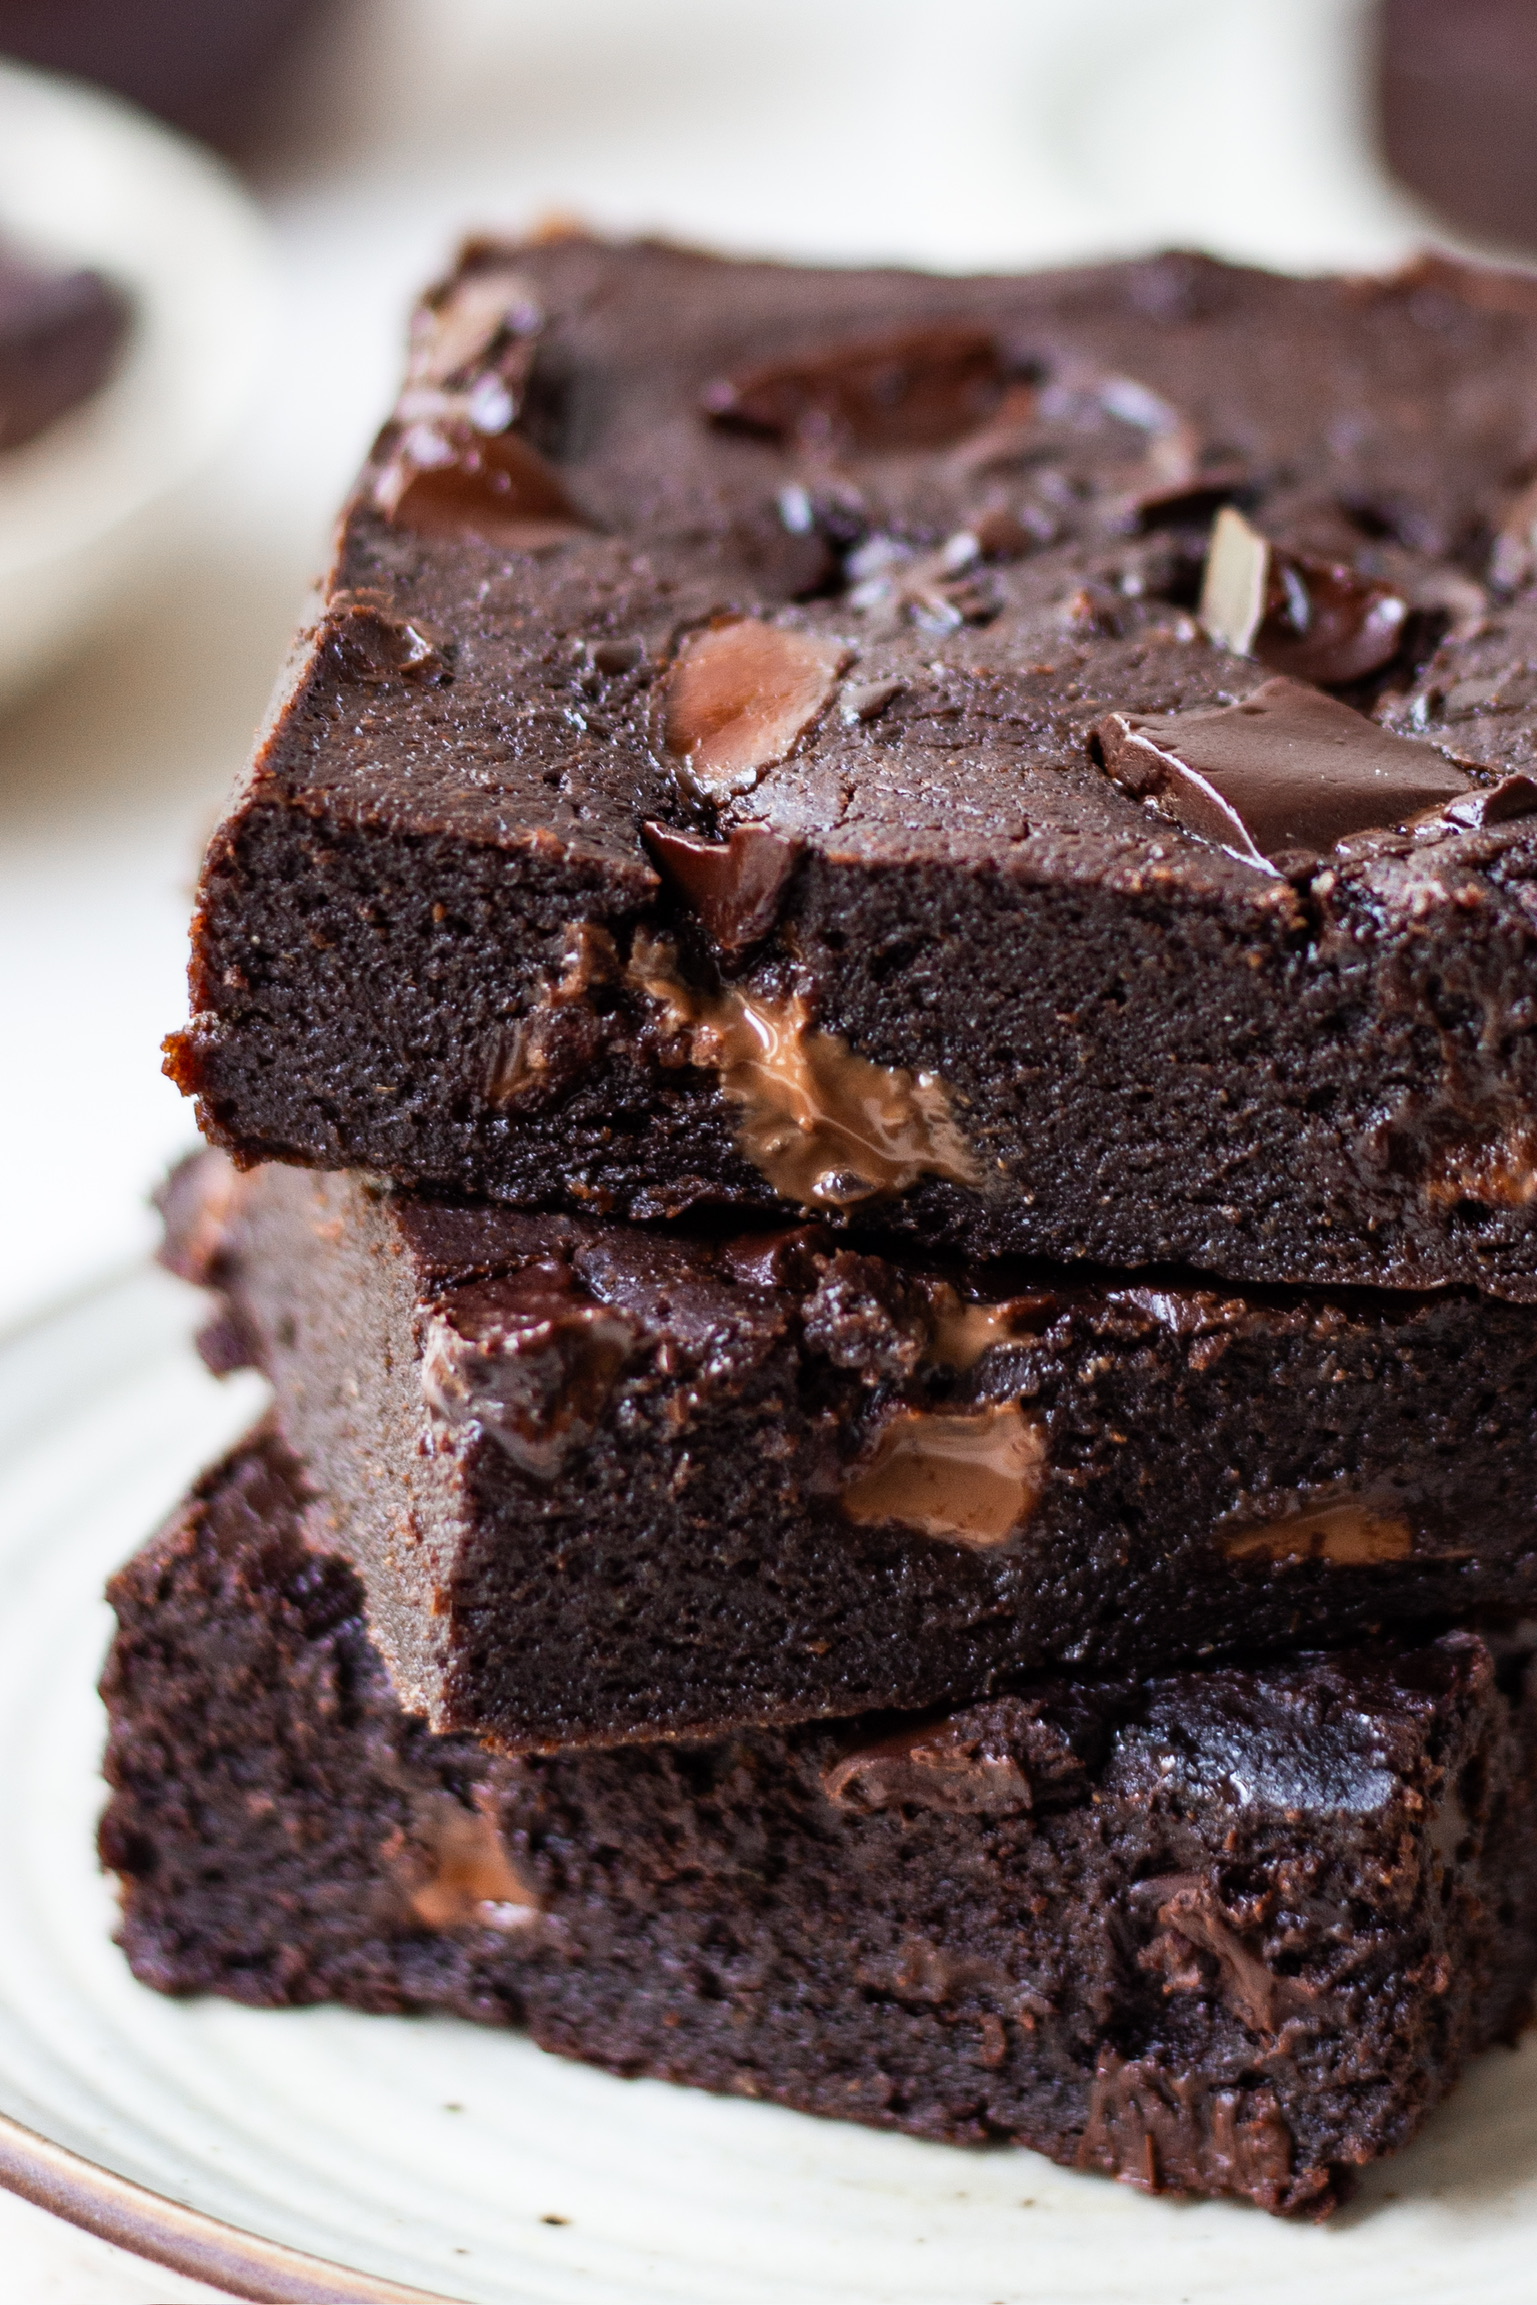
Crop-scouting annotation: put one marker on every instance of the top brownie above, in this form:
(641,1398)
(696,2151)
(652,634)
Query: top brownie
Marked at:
(1038,765)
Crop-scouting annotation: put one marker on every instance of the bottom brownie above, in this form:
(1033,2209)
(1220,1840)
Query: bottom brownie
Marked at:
(1227,1931)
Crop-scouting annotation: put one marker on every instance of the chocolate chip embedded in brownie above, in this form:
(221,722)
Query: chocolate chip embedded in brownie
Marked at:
(1232,1931)
(699,787)
(60,333)
(603,1484)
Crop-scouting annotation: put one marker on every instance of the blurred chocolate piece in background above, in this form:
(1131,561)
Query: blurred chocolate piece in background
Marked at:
(1457,97)
(60,333)
(208,66)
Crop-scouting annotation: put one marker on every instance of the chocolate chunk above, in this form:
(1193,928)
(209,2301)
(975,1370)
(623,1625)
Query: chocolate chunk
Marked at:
(1486,806)
(790,1259)
(787,558)
(527,1360)
(826,1127)
(1316,620)
(735,886)
(739,697)
(613,657)
(448,480)
(865,1315)
(974,1478)
(368,645)
(1000,1759)
(923,389)
(1194,1920)
(459,1875)
(1170,2132)
(458,331)
(1351,1533)
(1287,769)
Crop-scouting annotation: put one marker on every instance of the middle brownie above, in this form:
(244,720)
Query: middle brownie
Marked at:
(604,1484)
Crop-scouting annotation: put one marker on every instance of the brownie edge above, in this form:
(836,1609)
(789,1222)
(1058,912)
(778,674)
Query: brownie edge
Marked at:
(605,1484)
(1223,1932)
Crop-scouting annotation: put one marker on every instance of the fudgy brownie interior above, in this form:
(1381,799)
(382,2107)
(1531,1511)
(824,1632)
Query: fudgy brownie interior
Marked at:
(602,1483)
(1231,1931)
(792,740)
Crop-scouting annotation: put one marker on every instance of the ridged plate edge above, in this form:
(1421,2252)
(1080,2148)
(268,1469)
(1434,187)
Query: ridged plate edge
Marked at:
(183,2240)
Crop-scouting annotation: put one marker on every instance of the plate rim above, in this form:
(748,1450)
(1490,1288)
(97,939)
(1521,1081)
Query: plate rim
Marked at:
(183,2240)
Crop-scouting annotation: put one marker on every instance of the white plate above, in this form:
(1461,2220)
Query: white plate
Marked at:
(432,2153)
(96,502)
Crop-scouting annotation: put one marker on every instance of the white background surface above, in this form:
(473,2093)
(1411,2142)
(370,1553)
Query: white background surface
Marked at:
(995,132)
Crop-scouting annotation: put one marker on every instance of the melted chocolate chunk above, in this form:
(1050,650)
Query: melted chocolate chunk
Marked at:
(1316,620)
(1288,769)
(528,1361)
(448,480)
(735,886)
(1005,1758)
(1350,1533)
(739,697)
(827,1128)
(1202,1948)
(973,1478)
(1171,2132)
(920,390)
(460,1875)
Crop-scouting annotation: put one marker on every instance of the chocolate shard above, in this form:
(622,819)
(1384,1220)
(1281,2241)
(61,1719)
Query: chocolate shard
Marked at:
(923,389)
(1005,1758)
(447,479)
(740,696)
(1288,769)
(1486,806)
(735,886)
(1316,620)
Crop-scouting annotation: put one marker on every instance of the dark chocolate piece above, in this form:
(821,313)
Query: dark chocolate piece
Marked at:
(1287,770)
(60,337)
(736,885)
(1316,620)
(873,608)
(603,1483)
(1228,1931)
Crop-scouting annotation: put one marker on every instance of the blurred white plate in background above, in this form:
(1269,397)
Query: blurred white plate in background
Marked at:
(99,501)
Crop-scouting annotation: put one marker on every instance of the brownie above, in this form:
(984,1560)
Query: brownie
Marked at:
(60,333)
(1456,83)
(1223,1931)
(739,761)
(604,1484)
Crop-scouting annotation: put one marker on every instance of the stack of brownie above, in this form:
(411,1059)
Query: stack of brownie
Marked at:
(874,1003)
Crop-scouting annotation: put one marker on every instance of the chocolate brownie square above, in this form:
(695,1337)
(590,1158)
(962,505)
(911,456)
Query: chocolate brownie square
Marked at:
(1224,1931)
(602,1483)
(797,740)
